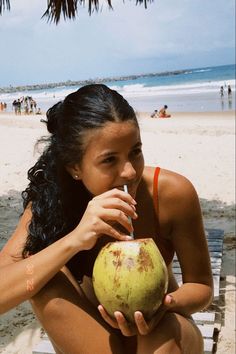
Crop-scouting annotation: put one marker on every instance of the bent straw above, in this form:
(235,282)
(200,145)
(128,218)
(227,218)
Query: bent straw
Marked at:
(130,220)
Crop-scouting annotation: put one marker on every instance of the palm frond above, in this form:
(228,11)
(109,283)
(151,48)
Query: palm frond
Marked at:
(57,7)
(67,8)
(4,4)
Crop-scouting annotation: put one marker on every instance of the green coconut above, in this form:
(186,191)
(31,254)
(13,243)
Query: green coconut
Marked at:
(130,276)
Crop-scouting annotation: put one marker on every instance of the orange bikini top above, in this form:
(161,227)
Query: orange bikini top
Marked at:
(165,246)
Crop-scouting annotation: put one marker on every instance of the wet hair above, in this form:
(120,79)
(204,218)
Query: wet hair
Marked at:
(57,201)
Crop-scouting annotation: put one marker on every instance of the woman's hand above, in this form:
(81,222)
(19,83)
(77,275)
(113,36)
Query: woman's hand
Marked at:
(102,212)
(141,326)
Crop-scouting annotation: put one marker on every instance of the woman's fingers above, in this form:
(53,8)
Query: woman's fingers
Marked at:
(104,228)
(142,326)
(146,327)
(117,216)
(101,215)
(114,203)
(118,322)
(111,231)
(125,327)
(117,193)
(112,322)
(113,209)
(117,203)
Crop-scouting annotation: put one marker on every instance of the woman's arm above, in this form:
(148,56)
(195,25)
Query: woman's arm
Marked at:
(188,239)
(23,278)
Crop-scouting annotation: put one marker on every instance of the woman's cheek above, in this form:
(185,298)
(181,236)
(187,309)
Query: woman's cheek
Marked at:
(98,185)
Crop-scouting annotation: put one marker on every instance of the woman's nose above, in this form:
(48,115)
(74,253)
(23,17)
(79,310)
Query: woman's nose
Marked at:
(128,172)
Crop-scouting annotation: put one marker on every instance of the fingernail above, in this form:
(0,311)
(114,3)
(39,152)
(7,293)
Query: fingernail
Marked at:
(128,238)
(169,299)
(138,315)
(134,202)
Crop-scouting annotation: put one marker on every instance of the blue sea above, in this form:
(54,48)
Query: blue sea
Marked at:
(191,90)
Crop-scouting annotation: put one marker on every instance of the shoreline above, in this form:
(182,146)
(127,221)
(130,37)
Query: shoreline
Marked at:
(197,145)
(141,114)
(68,83)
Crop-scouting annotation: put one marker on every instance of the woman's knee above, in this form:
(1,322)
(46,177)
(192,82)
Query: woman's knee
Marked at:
(50,298)
(174,334)
(166,332)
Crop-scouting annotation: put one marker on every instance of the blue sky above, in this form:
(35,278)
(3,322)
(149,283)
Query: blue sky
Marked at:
(169,35)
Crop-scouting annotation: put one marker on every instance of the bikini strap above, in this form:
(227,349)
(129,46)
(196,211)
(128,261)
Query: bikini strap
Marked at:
(155,189)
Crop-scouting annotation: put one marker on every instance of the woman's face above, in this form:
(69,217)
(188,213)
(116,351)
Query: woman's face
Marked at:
(113,157)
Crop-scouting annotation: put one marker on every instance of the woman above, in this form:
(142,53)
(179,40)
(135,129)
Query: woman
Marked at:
(75,204)
(162,112)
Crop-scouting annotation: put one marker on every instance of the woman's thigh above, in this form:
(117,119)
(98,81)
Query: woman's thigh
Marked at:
(73,323)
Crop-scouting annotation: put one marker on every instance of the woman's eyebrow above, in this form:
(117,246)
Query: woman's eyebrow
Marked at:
(112,153)
(106,154)
(137,145)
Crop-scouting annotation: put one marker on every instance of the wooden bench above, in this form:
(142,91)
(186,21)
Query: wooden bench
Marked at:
(207,321)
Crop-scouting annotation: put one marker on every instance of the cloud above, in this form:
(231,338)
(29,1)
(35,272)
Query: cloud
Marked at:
(128,39)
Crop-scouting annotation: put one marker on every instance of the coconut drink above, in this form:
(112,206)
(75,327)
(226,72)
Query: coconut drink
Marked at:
(130,276)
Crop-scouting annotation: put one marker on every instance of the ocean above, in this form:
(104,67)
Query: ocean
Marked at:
(190,90)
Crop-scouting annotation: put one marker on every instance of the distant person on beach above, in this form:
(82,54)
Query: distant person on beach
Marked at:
(15,106)
(221,91)
(154,114)
(162,112)
(229,97)
(75,204)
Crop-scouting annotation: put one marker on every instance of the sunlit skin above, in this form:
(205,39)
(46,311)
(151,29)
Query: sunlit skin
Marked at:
(113,157)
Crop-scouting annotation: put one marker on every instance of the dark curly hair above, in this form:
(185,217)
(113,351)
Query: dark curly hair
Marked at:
(57,201)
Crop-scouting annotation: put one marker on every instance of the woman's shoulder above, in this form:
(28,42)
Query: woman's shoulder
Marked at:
(176,195)
(170,185)
(167,176)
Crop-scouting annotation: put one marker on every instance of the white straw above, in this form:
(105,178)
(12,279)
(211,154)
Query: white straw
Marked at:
(130,220)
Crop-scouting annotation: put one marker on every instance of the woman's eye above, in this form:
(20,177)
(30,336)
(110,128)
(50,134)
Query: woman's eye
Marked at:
(109,160)
(137,152)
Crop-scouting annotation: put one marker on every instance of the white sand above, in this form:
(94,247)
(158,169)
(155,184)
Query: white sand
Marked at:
(197,145)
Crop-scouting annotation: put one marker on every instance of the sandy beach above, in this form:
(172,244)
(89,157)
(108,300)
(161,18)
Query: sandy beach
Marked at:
(198,145)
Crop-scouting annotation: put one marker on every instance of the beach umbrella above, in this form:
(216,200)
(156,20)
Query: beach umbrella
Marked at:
(68,8)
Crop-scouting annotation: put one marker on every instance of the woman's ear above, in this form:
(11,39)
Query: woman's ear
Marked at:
(74,171)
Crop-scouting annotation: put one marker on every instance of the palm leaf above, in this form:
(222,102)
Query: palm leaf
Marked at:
(4,4)
(67,8)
